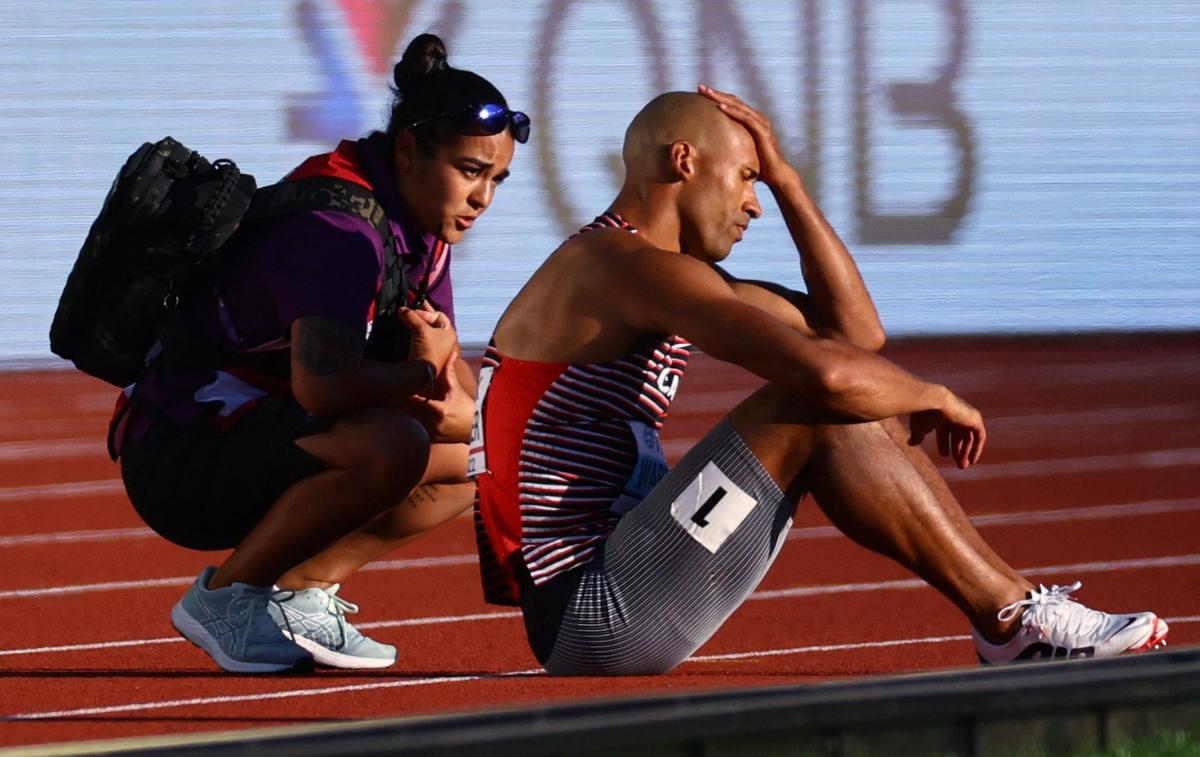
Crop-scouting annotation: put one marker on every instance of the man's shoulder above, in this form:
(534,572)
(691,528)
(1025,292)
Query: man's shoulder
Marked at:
(624,253)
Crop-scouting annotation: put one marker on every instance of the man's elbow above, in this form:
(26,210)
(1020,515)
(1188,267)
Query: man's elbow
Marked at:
(840,387)
(872,339)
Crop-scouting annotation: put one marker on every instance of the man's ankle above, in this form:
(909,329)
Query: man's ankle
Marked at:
(992,627)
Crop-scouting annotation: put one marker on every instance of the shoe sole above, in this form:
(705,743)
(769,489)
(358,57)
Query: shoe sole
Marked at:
(329,658)
(192,630)
(1158,638)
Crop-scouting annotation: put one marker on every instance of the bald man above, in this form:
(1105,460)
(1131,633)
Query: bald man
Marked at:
(622,567)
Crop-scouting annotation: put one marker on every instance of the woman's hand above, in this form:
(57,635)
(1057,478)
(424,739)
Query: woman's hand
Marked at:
(433,338)
(449,411)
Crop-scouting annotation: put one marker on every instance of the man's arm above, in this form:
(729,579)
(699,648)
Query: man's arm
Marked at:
(786,304)
(692,300)
(838,305)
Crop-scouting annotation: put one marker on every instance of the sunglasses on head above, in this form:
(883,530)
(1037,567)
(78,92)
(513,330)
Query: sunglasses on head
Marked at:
(484,120)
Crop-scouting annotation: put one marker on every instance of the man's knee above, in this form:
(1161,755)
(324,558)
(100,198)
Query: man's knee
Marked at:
(851,435)
(776,404)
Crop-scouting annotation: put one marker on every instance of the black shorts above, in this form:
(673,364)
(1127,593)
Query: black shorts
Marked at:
(204,489)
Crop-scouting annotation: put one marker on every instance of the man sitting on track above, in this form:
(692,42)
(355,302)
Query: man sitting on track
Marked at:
(623,568)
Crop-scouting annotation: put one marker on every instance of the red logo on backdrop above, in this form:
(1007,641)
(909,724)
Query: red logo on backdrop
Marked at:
(377,29)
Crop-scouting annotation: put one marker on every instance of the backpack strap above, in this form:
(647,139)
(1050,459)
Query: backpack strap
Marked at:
(329,193)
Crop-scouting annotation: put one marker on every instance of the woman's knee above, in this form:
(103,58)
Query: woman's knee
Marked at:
(387,449)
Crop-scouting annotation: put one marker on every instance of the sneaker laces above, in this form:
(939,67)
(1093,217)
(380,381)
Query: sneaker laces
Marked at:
(247,608)
(336,605)
(1054,612)
(330,602)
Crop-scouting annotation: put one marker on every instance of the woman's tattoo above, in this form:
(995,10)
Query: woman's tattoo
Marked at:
(325,345)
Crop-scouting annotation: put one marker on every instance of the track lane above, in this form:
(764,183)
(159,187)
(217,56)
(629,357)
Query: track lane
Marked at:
(1088,396)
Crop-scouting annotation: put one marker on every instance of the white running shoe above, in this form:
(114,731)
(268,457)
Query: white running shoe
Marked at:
(1054,626)
(316,620)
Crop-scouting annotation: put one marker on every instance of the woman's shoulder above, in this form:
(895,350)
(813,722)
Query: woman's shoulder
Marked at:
(319,233)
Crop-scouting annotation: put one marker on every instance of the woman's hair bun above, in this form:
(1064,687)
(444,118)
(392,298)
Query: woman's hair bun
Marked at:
(424,55)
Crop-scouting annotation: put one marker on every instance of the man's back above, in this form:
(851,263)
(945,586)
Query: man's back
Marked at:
(570,418)
(573,309)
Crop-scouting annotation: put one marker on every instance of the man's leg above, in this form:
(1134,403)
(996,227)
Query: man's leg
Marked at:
(674,568)
(883,494)
(655,596)
(888,496)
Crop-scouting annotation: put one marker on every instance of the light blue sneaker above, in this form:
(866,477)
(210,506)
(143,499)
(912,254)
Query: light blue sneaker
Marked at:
(233,626)
(316,620)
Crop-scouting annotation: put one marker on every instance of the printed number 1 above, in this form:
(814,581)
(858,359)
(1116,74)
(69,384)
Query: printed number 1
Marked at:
(700,517)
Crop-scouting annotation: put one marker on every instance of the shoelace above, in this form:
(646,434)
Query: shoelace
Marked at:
(247,607)
(1041,609)
(336,605)
(333,604)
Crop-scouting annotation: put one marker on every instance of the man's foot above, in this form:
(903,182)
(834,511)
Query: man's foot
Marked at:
(233,626)
(1054,626)
(316,620)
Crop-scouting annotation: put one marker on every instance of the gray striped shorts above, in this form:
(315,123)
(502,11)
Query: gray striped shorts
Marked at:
(676,566)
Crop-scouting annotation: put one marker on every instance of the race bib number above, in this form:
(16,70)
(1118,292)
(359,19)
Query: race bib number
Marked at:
(477,457)
(711,507)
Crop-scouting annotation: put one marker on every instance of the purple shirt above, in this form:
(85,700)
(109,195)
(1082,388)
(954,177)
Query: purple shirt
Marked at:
(316,263)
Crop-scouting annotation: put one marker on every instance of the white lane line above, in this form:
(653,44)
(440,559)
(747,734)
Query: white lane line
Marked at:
(113,534)
(433,620)
(1038,515)
(1060,515)
(436,619)
(799,591)
(429,681)
(71,537)
(1104,566)
(264,696)
(422,562)
(866,645)
(72,489)
(93,446)
(1099,512)
(1163,458)
(1166,458)
(146,583)
(94,646)
(1101,416)
(826,648)
(52,449)
(1095,373)
(1095,512)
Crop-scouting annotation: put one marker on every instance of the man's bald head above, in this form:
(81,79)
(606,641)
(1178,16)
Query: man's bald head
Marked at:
(673,117)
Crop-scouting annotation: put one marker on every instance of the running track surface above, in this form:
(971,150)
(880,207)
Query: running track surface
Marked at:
(1092,472)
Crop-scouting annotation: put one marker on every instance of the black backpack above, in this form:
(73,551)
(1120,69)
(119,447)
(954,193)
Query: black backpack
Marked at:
(160,233)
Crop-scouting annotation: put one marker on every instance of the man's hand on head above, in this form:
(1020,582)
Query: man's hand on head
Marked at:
(773,166)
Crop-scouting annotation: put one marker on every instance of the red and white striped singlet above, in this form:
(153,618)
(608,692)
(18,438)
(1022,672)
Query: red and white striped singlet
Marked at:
(561,451)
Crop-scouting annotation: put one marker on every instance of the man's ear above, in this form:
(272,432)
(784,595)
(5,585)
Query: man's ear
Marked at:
(682,159)
(404,151)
